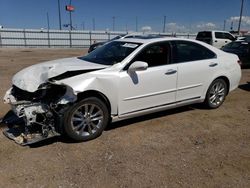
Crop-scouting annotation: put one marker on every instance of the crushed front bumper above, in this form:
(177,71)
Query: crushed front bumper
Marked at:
(28,122)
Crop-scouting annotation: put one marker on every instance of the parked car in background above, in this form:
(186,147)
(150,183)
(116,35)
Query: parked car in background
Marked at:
(124,78)
(240,48)
(217,39)
(99,44)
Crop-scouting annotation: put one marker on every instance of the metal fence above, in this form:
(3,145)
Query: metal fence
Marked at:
(61,38)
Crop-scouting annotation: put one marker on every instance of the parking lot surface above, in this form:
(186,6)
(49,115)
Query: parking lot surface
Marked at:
(185,147)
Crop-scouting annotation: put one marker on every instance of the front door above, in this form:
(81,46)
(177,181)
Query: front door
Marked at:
(154,87)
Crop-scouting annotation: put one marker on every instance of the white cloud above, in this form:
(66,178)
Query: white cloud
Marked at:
(146,28)
(174,27)
(245,20)
(208,26)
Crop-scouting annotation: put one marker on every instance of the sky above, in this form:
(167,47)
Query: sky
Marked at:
(181,15)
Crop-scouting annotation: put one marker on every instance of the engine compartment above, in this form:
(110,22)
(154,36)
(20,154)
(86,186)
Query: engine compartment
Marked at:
(35,116)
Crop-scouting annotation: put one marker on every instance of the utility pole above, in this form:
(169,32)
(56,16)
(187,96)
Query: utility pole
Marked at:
(59,15)
(232,26)
(48,21)
(93,22)
(83,25)
(113,23)
(136,24)
(224,26)
(48,29)
(241,10)
(164,24)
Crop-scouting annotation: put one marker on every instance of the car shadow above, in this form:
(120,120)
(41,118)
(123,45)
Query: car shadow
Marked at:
(245,87)
(152,116)
(120,124)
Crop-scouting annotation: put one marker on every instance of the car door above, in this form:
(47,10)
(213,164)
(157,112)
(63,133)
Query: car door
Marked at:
(196,66)
(153,87)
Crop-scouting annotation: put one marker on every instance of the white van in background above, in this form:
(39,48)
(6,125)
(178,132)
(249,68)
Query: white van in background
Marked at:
(217,39)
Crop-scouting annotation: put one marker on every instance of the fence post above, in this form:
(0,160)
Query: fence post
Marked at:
(48,39)
(24,37)
(70,39)
(108,35)
(90,38)
(0,39)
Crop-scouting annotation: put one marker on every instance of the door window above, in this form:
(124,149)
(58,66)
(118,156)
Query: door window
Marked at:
(185,51)
(155,55)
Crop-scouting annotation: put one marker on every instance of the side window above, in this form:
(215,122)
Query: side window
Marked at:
(155,55)
(228,36)
(219,35)
(185,51)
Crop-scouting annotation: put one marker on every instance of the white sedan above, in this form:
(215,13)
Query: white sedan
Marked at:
(122,79)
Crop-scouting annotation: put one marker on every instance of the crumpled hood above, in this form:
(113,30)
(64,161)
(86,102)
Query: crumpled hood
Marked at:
(31,77)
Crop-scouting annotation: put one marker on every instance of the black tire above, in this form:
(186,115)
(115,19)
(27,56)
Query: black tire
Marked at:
(216,94)
(86,119)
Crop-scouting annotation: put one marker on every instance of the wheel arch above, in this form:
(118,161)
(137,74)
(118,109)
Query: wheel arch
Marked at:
(94,93)
(226,80)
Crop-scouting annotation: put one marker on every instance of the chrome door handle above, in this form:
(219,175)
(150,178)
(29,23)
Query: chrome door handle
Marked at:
(213,64)
(171,71)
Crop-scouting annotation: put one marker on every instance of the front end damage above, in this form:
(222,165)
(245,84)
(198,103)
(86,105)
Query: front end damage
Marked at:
(36,116)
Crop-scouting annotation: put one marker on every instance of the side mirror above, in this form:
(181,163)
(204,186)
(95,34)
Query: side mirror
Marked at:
(138,66)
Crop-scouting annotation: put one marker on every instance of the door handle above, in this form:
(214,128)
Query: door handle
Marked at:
(171,71)
(213,64)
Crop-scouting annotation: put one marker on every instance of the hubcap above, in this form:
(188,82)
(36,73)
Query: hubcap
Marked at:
(87,119)
(217,94)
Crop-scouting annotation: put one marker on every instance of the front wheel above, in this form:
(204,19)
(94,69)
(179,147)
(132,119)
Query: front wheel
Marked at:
(86,119)
(216,94)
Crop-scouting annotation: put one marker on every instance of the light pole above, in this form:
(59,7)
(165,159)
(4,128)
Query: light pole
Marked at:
(59,15)
(70,16)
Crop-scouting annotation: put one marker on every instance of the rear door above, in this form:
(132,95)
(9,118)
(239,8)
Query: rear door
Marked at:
(196,66)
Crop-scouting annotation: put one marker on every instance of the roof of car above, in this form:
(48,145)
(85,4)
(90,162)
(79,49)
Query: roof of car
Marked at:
(150,40)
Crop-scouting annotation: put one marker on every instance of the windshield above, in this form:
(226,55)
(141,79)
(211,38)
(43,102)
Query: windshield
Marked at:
(111,53)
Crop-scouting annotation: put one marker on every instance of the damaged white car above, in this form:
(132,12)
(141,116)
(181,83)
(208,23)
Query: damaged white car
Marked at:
(122,79)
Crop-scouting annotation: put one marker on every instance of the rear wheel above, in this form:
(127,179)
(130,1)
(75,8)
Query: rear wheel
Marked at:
(216,93)
(86,119)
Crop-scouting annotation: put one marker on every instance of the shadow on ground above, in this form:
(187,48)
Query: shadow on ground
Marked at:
(116,125)
(245,87)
